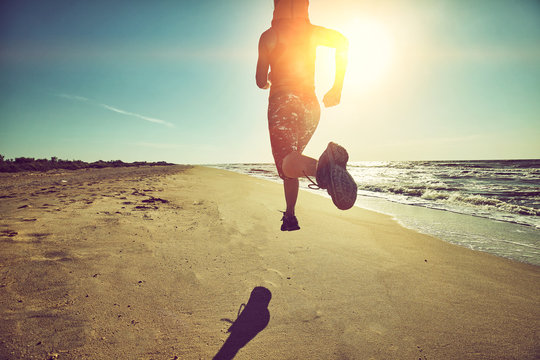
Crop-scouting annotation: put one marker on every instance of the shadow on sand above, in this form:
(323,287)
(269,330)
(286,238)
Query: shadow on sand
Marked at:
(250,321)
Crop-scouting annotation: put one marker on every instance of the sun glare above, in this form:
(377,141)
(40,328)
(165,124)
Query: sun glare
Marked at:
(371,55)
(370,52)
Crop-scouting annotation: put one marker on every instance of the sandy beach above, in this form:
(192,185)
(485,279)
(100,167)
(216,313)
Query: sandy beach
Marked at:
(155,263)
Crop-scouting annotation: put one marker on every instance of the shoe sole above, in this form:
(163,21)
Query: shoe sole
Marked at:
(340,157)
(342,187)
(290,229)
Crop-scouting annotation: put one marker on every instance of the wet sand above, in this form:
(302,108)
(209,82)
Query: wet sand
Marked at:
(155,262)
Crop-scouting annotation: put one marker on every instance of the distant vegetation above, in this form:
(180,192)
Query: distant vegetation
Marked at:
(31,164)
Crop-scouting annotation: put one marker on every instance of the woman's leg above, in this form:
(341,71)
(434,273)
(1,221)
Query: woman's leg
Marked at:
(292,120)
(296,165)
(291,194)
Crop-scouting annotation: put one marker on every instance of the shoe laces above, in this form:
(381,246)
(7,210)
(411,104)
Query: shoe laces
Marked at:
(286,217)
(313,185)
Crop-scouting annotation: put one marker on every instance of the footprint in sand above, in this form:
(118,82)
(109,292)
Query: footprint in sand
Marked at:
(35,238)
(8,233)
(144,207)
(154,200)
(58,255)
(275,277)
(137,193)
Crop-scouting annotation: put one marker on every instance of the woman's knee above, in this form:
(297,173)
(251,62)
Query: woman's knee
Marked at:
(291,165)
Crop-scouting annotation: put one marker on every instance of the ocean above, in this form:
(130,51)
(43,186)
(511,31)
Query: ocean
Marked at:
(491,205)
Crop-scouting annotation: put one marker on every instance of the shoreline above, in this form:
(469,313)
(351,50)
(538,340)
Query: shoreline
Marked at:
(155,265)
(452,227)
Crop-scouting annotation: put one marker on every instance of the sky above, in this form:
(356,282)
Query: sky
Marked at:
(175,80)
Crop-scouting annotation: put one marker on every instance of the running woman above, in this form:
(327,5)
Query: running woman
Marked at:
(288,50)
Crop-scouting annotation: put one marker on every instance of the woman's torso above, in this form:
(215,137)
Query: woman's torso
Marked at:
(292,59)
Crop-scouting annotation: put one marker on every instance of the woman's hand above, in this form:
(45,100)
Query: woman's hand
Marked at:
(332,97)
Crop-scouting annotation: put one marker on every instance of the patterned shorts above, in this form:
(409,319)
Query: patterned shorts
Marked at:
(292,120)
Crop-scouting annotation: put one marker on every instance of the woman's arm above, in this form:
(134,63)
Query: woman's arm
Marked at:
(263,62)
(334,39)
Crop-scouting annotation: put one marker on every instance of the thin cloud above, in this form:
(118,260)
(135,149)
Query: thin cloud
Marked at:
(115,109)
(120,111)
(73,97)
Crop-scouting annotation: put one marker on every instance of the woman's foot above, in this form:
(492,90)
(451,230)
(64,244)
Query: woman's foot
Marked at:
(290,223)
(332,174)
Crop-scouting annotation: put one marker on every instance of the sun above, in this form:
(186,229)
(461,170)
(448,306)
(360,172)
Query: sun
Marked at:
(371,52)
(371,55)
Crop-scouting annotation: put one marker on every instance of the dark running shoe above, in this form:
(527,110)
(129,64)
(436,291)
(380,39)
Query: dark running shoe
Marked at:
(334,175)
(340,156)
(290,223)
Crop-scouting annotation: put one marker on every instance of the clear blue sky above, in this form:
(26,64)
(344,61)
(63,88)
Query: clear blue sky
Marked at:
(174,80)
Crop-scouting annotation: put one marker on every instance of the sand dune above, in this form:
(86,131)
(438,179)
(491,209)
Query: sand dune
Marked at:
(155,263)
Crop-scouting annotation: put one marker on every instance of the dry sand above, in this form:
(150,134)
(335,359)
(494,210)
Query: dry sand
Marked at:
(154,263)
